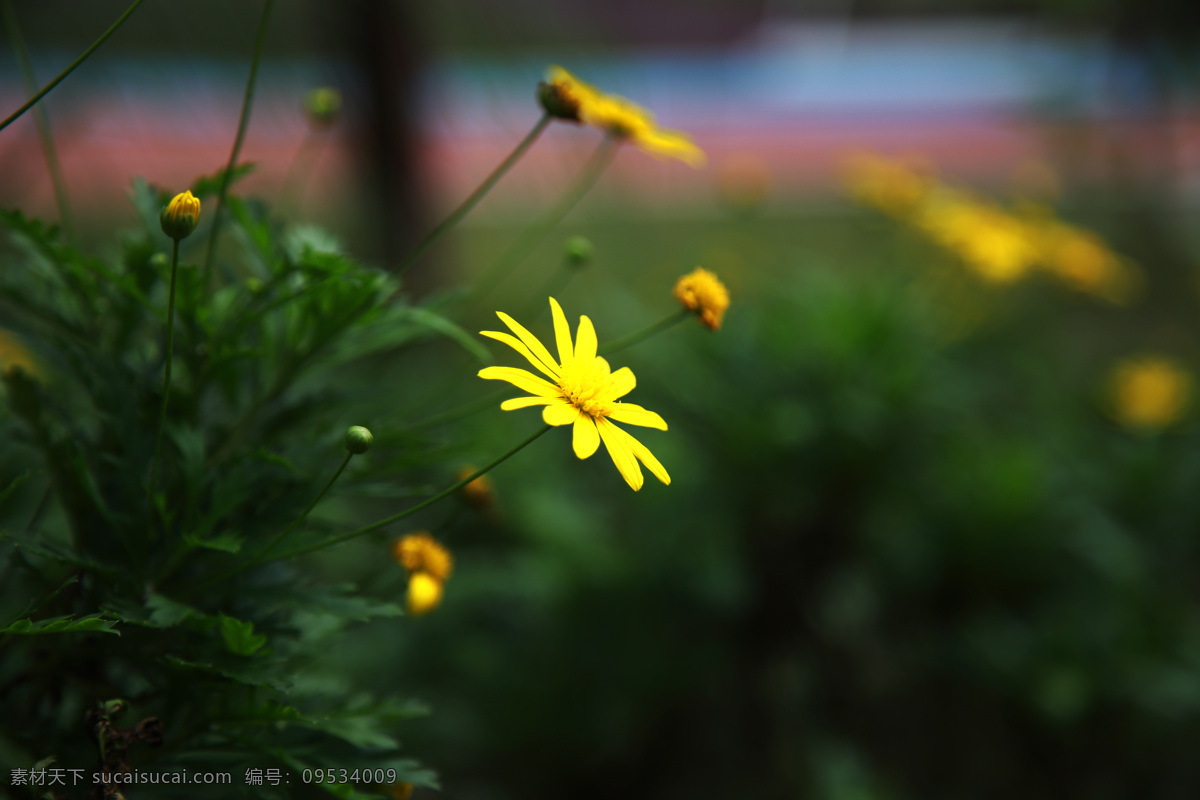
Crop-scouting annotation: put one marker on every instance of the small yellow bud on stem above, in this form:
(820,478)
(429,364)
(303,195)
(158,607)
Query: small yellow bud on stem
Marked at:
(179,217)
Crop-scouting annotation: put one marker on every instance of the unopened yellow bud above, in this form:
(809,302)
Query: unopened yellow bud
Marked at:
(424,593)
(702,292)
(180,216)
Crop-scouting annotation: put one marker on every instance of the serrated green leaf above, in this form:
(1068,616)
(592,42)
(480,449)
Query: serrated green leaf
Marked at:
(240,637)
(165,612)
(93,623)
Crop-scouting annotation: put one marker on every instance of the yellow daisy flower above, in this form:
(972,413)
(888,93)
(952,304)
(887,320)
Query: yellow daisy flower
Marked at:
(1149,393)
(701,291)
(562,95)
(566,97)
(584,393)
(419,552)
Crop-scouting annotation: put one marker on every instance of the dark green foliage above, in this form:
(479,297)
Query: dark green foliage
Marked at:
(214,647)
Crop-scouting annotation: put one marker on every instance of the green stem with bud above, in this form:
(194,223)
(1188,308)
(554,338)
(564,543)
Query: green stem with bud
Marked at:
(166,390)
(41,120)
(477,195)
(645,333)
(243,123)
(374,526)
(597,163)
(45,90)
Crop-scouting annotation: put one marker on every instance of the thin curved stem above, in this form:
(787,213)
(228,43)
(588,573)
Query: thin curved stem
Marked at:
(166,390)
(596,164)
(243,123)
(45,90)
(41,120)
(262,556)
(645,333)
(477,195)
(374,526)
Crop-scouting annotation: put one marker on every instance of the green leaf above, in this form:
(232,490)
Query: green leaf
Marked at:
(240,637)
(165,612)
(93,623)
(209,185)
(226,542)
(436,322)
(12,485)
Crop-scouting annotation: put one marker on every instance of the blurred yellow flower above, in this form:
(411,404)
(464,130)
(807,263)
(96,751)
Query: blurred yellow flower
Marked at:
(998,246)
(479,493)
(419,552)
(424,593)
(562,94)
(702,292)
(180,216)
(1084,262)
(14,355)
(892,187)
(566,97)
(584,394)
(1149,393)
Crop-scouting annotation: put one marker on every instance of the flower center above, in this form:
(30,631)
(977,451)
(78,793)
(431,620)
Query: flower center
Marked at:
(584,389)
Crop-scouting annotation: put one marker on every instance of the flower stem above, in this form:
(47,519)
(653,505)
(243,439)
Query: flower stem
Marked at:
(41,120)
(258,559)
(597,163)
(374,526)
(166,390)
(243,123)
(45,90)
(477,195)
(645,333)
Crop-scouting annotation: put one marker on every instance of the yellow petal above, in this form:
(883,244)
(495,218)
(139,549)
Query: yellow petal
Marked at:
(549,370)
(622,383)
(585,438)
(531,341)
(525,402)
(585,341)
(621,455)
(522,379)
(672,145)
(647,458)
(562,332)
(633,414)
(560,414)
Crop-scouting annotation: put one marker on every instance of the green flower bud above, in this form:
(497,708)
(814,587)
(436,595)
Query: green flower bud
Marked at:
(322,105)
(180,216)
(358,439)
(578,251)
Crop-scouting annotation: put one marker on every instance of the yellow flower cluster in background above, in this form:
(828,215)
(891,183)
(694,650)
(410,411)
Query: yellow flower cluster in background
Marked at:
(999,244)
(428,565)
(1149,393)
(14,355)
(566,97)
